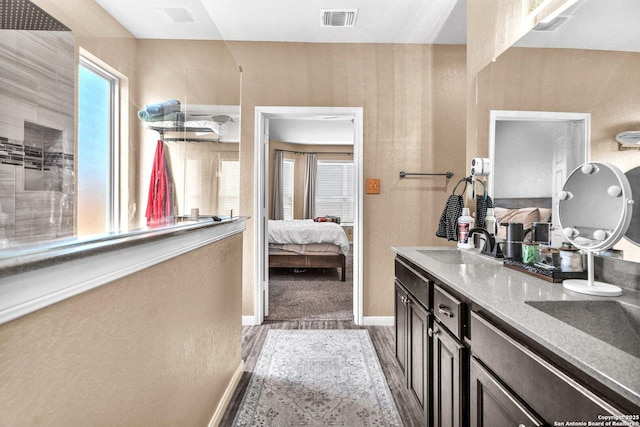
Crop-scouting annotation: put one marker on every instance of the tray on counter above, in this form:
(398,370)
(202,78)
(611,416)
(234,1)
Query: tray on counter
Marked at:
(544,274)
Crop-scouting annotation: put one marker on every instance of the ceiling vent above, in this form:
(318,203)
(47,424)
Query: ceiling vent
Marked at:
(176,15)
(24,15)
(338,17)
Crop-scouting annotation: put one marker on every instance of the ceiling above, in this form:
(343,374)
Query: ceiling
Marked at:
(595,25)
(377,21)
(587,25)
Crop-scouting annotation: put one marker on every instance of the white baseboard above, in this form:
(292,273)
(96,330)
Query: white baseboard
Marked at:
(378,320)
(227,396)
(248,320)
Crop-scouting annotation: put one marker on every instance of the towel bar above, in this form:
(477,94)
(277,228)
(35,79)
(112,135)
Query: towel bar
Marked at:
(447,174)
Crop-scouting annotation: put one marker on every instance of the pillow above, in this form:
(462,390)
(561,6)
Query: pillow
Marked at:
(523,215)
(327,218)
(545,214)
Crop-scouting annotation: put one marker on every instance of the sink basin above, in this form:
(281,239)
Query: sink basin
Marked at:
(613,322)
(455,256)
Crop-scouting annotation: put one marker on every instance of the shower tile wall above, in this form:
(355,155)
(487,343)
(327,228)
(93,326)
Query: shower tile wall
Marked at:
(36,135)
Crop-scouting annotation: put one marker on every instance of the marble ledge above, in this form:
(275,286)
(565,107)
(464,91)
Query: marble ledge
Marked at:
(36,256)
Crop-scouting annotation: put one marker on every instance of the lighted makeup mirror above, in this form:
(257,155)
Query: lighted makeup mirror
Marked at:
(594,210)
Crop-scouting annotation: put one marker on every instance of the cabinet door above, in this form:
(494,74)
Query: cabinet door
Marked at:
(449,404)
(418,373)
(492,405)
(401,303)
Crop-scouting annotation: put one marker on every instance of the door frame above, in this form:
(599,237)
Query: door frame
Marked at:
(261,167)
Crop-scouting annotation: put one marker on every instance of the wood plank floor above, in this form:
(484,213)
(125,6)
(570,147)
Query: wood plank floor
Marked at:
(253,338)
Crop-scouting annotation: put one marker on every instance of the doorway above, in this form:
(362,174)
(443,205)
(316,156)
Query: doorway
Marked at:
(545,147)
(264,117)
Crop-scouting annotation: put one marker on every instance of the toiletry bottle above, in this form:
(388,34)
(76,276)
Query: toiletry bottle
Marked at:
(490,221)
(465,223)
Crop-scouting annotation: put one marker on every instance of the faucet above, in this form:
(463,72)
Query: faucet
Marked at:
(490,247)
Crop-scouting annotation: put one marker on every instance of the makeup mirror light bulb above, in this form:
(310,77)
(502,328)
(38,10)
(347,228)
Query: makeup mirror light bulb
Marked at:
(614,191)
(600,235)
(565,195)
(589,168)
(570,232)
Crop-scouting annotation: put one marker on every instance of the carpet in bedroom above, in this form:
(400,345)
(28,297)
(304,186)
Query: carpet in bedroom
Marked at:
(311,294)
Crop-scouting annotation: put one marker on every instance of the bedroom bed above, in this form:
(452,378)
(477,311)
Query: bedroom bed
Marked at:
(527,210)
(308,244)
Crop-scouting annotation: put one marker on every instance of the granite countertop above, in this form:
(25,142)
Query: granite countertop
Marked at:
(502,292)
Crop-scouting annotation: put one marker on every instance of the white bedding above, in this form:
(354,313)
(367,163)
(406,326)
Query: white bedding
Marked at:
(307,231)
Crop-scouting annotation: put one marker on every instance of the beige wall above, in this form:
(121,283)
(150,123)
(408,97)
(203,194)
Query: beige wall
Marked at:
(413,98)
(157,348)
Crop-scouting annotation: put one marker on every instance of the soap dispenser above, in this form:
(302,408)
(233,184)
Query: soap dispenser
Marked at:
(465,223)
(490,221)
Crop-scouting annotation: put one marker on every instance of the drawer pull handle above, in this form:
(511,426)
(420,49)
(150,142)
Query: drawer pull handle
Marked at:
(442,309)
(433,331)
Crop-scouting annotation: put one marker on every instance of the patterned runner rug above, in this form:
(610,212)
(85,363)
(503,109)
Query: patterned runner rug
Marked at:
(318,378)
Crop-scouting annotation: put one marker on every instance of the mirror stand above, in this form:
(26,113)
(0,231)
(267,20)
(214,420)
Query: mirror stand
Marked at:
(590,286)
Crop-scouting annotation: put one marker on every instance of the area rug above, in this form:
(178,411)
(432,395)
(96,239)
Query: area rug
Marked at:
(317,378)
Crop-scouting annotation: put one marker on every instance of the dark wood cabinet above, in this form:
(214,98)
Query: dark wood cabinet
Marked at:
(449,365)
(412,321)
(465,369)
(401,320)
(419,359)
(493,405)
(551,393)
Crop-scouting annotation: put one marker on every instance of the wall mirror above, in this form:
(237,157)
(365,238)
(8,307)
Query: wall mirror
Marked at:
(69,178)
(582,62)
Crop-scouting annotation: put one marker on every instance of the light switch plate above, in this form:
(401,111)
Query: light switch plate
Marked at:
(372,186)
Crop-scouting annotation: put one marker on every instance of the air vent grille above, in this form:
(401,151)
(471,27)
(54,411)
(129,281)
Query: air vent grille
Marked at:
(176,15)
(338,17)
(552,25)
(24,15)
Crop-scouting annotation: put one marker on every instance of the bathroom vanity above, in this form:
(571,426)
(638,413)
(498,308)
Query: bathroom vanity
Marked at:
(484,345)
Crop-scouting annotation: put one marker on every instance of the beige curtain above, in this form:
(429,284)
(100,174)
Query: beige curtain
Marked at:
(311,169)
(277,205)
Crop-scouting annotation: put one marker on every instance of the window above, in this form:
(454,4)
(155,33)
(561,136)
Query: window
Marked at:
(229,190)
(288,168)
(334,189)
(97,180)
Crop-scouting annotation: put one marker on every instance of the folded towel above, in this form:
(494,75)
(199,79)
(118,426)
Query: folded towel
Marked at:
(176,116)
(162,108)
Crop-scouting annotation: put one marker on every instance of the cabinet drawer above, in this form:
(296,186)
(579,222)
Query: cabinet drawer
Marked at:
(415,283)
(547,390)
(449,311)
